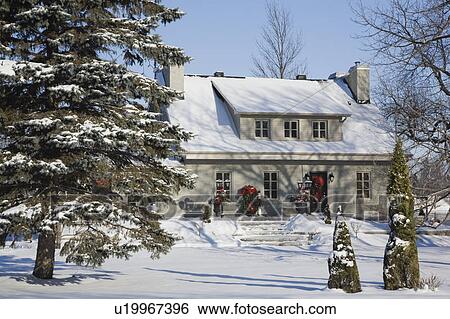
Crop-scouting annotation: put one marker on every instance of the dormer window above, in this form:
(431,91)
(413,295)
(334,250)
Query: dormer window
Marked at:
(262,128)
(291,129)
(319,129)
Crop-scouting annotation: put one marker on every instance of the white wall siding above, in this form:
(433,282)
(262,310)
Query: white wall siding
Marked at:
(342,191)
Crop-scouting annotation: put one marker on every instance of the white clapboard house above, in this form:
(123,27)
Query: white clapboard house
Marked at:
(275,134)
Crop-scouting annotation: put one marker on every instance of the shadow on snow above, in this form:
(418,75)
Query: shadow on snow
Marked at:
(262,282)
(20,269)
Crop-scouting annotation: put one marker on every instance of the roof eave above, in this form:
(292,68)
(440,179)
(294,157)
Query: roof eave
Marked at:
(288,156)
(295,114)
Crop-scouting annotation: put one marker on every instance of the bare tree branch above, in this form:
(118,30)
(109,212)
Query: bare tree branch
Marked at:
(410,40)
(413,35)
(279,46)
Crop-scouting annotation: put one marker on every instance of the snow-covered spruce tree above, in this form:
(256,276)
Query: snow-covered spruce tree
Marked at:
(342,262)
(73,117)
(401,261)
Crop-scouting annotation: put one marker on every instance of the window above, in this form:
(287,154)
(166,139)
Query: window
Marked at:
(262,128)
(291,129)
(319,129)
(224,180)
(363,185)
(271,184)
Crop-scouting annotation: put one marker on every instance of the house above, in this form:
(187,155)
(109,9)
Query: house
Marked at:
(277,134)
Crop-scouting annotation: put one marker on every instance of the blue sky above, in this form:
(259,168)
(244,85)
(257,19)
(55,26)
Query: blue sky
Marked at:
(221,34)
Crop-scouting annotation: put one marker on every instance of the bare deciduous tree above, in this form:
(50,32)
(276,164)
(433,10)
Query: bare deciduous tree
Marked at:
(355,227)
(421,114)
(412,36)
(430,174)
(279,47)
(410,40)
(431,180)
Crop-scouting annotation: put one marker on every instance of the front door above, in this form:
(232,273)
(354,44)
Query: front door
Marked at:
(319,190)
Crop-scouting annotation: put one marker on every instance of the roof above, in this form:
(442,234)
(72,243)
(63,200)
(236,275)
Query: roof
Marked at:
(204,113)
(301,97)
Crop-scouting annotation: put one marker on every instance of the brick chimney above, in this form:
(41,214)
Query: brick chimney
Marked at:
(358,79)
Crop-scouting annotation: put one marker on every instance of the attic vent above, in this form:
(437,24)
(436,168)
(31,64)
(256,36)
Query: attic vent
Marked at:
(219,74)
(301,77)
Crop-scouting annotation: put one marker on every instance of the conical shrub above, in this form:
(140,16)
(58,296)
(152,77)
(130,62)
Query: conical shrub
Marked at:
(342,262)
(401,261)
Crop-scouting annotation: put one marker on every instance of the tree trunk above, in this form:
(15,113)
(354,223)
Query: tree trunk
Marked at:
(29,237)
(45,257)
(58,230)
(3,239)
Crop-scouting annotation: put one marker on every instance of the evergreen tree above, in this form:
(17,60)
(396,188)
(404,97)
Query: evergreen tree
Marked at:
(401,261)
(72,117)
(206,215)
(342,262)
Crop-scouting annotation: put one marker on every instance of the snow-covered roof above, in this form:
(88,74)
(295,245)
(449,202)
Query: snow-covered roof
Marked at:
(204,113)
(302,97)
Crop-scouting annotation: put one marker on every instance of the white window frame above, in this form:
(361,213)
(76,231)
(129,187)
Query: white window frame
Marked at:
(361,189)
(221,182)
(319,129)
(288,131)
(271,189)
(261,128)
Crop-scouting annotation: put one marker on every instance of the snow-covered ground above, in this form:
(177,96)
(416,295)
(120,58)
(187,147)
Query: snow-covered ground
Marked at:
(210,263)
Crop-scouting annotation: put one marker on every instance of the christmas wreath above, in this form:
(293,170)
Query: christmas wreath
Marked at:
(249,199)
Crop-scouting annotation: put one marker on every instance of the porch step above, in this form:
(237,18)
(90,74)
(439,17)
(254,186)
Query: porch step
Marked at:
(280,244)
(276,237)
(262,222)
(260,232)
(271,232)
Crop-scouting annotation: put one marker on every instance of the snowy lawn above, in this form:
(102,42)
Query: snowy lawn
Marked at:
(221,269)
